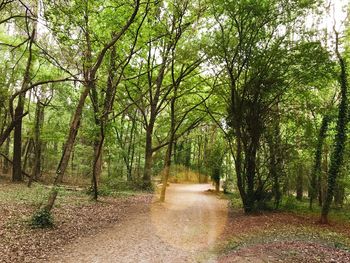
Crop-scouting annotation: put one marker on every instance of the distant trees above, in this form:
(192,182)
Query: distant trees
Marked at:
(21,73)
(160,71)
(216,153)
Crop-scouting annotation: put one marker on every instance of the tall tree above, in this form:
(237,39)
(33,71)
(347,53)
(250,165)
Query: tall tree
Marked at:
(318,159)
(115,74)
(340,137)
(92,61)
(17,137)
(166,28)
(258,61)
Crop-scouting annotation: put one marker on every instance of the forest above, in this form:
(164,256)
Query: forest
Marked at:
(207,131)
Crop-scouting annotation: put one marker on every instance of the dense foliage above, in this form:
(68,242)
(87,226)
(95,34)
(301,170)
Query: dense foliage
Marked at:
(130,92)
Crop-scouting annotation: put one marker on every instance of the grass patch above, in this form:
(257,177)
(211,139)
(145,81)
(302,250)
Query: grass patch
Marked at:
(290,204)
(21,194)
(113,187)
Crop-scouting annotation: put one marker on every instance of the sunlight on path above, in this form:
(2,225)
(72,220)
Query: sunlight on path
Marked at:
(191,218)
(183,229)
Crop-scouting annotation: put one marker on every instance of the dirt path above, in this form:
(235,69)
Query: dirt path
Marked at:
(183,229)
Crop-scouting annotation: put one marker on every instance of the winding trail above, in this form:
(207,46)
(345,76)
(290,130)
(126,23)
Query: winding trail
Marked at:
(183,229)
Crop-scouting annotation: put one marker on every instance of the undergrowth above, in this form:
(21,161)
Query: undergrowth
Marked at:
(42,218)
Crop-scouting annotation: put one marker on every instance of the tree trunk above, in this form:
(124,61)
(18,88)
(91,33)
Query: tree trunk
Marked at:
(167,162)
(101,117)
(199,154)
(318,158)
(299,183)
(322,188)
(147,172)
(6,164)
(217,186)
(275,166)
(37,140)
(17,142)
(72,159)
(67,150)
(27,154)
(131,150)
(250,158)
(340,139)
(166,172)
(239,174)
(97,162)
(339,194)
(17,137)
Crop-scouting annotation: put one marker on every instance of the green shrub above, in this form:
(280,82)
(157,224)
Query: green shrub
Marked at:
(291,203)
(228,186)
(42,219)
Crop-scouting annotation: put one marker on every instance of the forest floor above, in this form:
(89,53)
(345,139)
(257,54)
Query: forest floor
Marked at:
(75,216)
(193,225)
(183,229)
(283,237)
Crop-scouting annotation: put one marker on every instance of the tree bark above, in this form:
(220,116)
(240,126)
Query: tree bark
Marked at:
(17,137)
(318,159)
(27,154)
(299,183)
(250,159)
(275,165)
(73,131)
(340,138)
(5,167)
(17,142)
(39,119)
(147,171)
(97,162)
(167,162)
(166,172)
(322,178)
(6,133)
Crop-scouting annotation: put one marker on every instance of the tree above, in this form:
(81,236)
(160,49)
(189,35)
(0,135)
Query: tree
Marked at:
(17,141)
(166,26)
(181,121)
(340,137)
(91,65)
(258,61)
(216,153)
(41,103)
(318,158)
(101,115)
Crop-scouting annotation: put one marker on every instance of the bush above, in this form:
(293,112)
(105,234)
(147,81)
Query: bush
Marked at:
(290,203)
(42,219)
(228,186)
